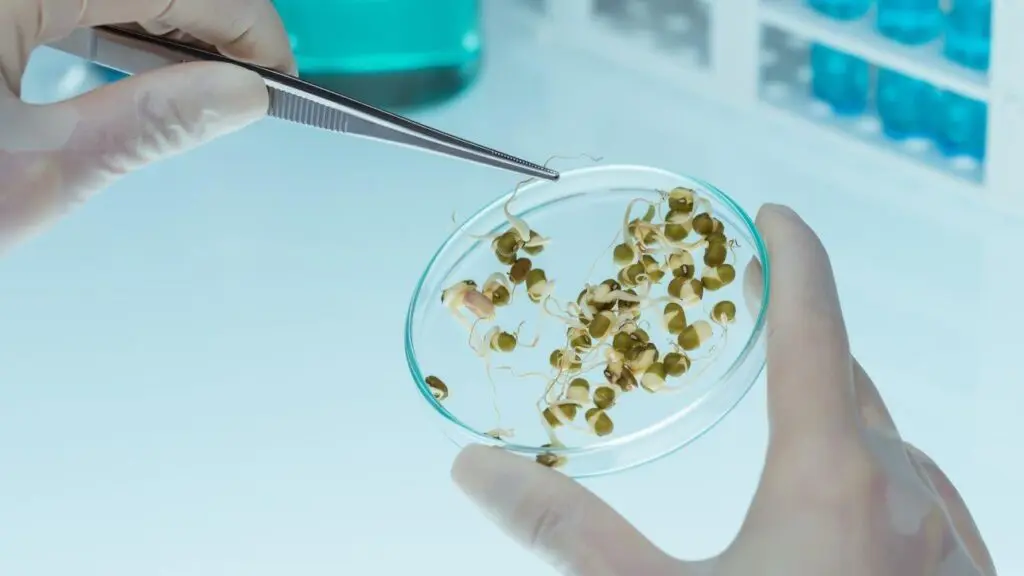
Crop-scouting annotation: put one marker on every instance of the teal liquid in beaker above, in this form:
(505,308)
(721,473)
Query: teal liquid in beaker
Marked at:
(969,33)
(389,53)
(961,126)
(841,9)
(839,79)
(909,21)
(906,106)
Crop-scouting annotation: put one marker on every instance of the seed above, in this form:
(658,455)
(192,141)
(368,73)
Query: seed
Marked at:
(560,361)
(550,460)
(629,275)
(507,244)
(621,342)
(438,388)
(558,414)
(519,270)
(643,358)
(626,381)
(601,324)
(599,422)
(681,199)
(678,217)
(676,364)
(580,339)
(640,335)
(624,254)
(532,247)
(675,287)
(500,296)
(534,277)
(675,318)
(715,278)
(692,291)
(676,232)
(717,237)
(506,259)
(715,254)
(654,377)
(578,391)
(694,335)
(604,397)
(703,224)
(724,312)
(503,342)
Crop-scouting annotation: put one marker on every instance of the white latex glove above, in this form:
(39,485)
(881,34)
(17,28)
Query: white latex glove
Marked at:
(841,494)
(52,157)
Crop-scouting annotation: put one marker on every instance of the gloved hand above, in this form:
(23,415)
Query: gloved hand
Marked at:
(52,157)
(841,493)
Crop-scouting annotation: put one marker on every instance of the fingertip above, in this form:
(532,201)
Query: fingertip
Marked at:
(753,286)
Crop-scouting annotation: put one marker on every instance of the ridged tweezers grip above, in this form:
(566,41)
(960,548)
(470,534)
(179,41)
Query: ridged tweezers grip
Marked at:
(288,106)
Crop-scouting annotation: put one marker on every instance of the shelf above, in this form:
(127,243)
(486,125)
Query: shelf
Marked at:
(860,39)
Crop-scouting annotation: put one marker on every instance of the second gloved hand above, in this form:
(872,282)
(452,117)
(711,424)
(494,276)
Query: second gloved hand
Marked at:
(52,157)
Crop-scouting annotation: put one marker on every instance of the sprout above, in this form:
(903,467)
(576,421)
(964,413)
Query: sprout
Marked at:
(437,387)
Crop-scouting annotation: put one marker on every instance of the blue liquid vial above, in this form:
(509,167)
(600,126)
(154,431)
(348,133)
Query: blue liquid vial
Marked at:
(969,33)
(839,79)
(906,106)
(909,21)
(841,9)
(961,126)
(389,53)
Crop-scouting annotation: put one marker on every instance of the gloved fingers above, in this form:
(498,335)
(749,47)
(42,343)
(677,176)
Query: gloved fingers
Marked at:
(246,30)
(810,371)
(123,126)
(955,507)
(873,411)
(555,517)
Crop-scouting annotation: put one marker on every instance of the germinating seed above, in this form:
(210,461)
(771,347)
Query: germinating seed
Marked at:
(607,325)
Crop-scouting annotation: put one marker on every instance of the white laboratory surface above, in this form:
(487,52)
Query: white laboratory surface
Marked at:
(202,373)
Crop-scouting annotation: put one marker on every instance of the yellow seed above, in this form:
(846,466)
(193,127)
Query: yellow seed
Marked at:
(694,335)
(438,388)
(533,249)
(724,312)
(578,391)
(653,379)
(599,422)
(692,291)
(500,296)
(503,342)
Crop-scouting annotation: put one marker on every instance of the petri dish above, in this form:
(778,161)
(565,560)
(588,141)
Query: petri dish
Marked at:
(502,398)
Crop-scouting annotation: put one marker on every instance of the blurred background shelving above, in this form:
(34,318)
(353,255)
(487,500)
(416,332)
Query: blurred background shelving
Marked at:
(938,101)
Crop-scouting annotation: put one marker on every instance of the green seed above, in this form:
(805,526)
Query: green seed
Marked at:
(621,342)
(500,296)
(675,318)
(550,460)
(604,397)
(600,325)
(676,232)
(624,254)
(703,224)
(715,254)
(676,364)
(507,244)
(724,312)
(578,391)
(533,249)
(694,335)
(504,342)
(654,377)
(535,277)
(599,422)
(681,199)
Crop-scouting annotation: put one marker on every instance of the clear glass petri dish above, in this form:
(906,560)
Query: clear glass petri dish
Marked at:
(493,397)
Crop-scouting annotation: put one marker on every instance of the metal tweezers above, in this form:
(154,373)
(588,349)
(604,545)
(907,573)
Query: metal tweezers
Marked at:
(291,99)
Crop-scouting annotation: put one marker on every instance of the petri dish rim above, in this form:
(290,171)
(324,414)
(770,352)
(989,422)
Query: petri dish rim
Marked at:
(654,428)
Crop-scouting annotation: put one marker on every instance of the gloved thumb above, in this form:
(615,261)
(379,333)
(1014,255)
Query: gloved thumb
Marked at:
(555,517)
(126,125)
